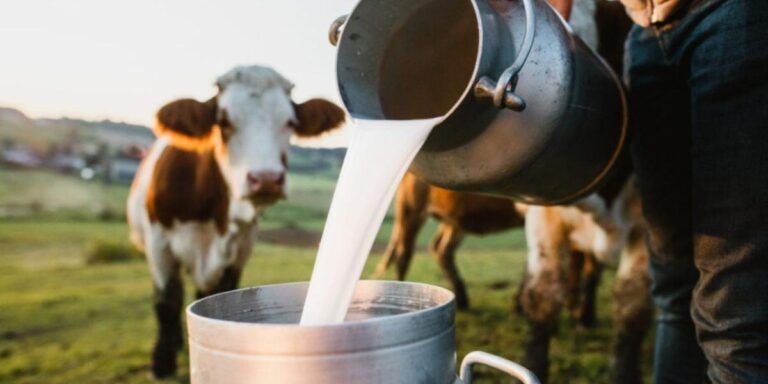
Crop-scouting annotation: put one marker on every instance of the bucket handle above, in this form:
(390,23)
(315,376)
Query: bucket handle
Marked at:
(511,368)
(502,91)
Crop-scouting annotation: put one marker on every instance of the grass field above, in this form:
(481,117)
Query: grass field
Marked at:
(63,321)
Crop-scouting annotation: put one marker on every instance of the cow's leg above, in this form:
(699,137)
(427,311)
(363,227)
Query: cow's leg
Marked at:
(168,307)
(437,240)
(406,244)
(593,271)
(633,310)
(395,244)
(582,282)
(389,255)
(543,287)
(541,301)
(238,249)
(239,252)
(573,301)
(229,280)
(444,251)
(410,215)
(168,302)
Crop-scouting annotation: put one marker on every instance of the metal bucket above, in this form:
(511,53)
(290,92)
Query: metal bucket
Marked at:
(532,112)
(395,332)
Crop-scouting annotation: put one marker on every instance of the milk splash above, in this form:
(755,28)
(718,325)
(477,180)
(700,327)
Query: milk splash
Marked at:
(379,154)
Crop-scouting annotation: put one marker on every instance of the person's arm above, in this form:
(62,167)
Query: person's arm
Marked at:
(563,7)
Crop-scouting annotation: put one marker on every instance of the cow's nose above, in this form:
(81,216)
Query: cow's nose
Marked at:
(266,182)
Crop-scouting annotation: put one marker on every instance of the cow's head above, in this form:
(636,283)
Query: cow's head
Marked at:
(252,120)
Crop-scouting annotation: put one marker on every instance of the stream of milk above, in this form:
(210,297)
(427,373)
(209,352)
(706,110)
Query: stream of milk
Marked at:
(378,156)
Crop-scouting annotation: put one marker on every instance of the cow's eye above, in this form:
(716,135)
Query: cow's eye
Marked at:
(292,124)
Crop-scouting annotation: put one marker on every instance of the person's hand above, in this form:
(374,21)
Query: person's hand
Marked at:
(639,11)
(563,7)
(647,12)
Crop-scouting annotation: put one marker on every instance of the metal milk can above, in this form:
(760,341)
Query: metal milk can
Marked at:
(530,111)
(395,333)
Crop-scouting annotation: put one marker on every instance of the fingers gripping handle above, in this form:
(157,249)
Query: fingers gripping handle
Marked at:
(511,368)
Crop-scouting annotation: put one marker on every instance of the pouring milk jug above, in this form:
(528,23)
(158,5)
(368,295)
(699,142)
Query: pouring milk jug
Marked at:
(530,111)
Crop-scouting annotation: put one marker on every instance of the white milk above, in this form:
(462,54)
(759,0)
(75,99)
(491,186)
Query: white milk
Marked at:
(379,154)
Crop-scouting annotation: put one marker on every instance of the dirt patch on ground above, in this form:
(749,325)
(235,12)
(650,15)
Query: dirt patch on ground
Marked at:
(297,237)
(292,237)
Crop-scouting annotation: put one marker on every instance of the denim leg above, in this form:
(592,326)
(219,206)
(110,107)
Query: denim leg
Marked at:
(660,110)
(729,96)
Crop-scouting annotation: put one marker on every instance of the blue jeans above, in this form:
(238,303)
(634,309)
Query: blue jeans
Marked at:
(698,91)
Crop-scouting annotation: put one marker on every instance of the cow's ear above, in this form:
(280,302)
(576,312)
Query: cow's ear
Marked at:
(317,116)
(188,117)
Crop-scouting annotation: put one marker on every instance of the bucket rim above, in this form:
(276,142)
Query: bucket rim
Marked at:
(265,339)
(469,89)
(449,301)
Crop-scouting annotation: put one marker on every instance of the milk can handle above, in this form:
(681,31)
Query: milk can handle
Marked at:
(502,90)
(335,32)
(513,369)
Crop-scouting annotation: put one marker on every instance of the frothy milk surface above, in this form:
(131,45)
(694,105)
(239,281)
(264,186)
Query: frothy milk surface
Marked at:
(379,154)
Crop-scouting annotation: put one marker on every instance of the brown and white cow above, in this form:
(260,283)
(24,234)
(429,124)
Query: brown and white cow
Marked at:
(214,168)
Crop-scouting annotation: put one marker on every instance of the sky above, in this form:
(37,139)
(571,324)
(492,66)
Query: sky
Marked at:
(122,60)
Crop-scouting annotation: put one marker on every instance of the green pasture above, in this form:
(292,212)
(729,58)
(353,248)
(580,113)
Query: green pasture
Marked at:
(65,321)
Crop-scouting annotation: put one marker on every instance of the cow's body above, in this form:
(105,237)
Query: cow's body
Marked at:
(458,213)
(197,198)
(181,215)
